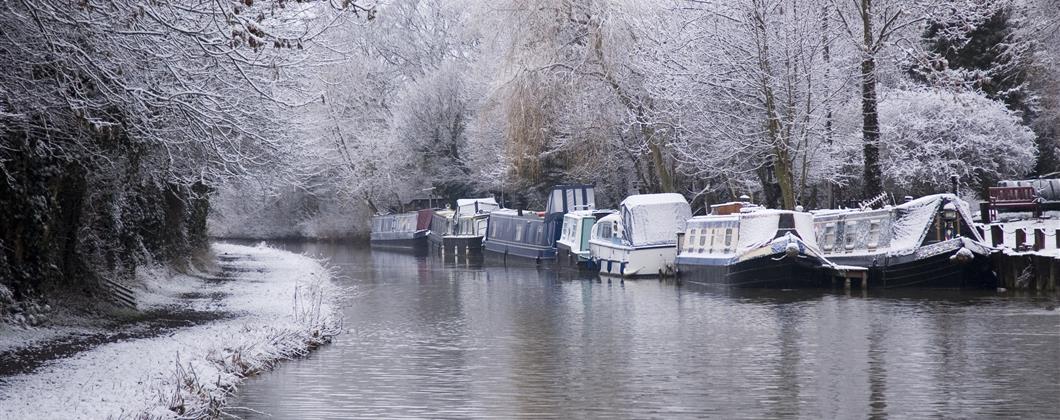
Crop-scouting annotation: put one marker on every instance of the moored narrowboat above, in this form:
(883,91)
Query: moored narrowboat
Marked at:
(572,248)
(461,230)
(640,240)
(401,230)
(928,242)
(746,246)
(532,235)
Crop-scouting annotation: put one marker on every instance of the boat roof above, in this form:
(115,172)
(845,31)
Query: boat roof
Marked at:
(664,199)
(513,213)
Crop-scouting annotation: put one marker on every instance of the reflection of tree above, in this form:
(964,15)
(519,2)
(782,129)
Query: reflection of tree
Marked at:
(877,373)
(787,365)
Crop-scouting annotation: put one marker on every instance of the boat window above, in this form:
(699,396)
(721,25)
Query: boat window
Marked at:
(519,231)
(828,239)
(728,239)
(849,232)
(539,237)
(691,237)
(702,241)
(604,232)
(874,234)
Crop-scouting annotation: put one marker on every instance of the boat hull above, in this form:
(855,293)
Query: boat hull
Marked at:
(764,272)
(567,258)
(513,251)
(457,244)
(632,262)
(932,266)
(415,241)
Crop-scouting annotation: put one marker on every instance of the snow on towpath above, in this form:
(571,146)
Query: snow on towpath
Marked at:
(278,305)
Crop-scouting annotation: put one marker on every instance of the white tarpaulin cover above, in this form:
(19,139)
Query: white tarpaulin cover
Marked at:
(467,206)
(654,219)
(759,228)
(913,219)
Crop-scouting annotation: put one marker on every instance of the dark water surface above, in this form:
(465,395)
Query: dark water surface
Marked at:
(429,338)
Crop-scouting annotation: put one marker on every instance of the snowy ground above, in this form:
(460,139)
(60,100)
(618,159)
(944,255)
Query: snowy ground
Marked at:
(272,305)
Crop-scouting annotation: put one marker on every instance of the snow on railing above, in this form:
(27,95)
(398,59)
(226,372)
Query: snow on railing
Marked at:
(1023,236)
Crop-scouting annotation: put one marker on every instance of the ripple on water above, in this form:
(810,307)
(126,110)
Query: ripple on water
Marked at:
(427,339)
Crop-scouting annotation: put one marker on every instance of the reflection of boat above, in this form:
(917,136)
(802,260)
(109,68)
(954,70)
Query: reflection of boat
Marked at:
(402,230)
(640,240)
(533,235)
(927,242)
(462,229)
(756,248)
(572,248)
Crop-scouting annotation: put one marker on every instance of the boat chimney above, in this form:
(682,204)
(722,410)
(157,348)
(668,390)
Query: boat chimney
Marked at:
(520,212)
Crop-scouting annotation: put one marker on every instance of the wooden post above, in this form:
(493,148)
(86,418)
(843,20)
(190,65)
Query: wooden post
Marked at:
(997,235)
(1021,238)
(1039,239)
(984,212)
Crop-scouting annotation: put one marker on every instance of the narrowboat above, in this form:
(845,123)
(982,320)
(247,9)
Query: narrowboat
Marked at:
(928,242)
(532,235)
(401,230)
(742,245)
(461,229)
(641,239)
(572,248)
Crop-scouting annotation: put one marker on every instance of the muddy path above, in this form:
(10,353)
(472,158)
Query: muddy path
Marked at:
(137,325)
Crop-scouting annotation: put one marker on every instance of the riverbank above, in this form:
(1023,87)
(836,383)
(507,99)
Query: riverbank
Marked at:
(193,339)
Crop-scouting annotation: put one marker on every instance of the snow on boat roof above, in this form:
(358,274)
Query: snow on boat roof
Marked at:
(654,219)
(470,206)
(591,213)
(529,214)
(471,201)
(911,220)
(653,199)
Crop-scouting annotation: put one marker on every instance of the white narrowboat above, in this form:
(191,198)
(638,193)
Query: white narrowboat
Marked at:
(640,240)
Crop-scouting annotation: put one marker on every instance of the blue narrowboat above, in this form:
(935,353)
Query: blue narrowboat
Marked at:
(532,235)
(402,230)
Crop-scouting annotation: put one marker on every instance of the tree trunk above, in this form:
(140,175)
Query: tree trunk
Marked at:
(658,161)
(781,159)
(666,181)
(870,120)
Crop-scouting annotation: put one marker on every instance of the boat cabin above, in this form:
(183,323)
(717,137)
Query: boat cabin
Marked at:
(532,234)
(573,244)
(927,242)
(396,229)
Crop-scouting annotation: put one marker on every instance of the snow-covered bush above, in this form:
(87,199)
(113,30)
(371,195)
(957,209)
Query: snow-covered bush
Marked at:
(927,136)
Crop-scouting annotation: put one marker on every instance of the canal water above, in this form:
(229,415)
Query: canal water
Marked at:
(433,338)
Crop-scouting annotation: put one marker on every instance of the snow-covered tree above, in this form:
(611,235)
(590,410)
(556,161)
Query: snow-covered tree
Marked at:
(929,136)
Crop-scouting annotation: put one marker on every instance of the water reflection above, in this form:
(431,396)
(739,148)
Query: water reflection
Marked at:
(434,337)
